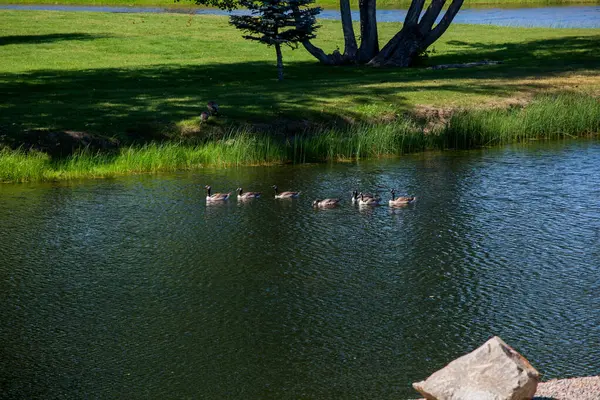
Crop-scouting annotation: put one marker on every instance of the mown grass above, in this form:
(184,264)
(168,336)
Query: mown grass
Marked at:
(139,77)
(559,116)
(331,4)
(143,79)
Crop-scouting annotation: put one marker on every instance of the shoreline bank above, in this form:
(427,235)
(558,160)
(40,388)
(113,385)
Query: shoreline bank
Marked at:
(548,117)
(581,388)
(113,94)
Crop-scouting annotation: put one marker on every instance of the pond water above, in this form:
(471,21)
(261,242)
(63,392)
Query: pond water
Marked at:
(135,287)
(587,16)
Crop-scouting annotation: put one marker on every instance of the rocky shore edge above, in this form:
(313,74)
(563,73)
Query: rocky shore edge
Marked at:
(584,388)
(497,371)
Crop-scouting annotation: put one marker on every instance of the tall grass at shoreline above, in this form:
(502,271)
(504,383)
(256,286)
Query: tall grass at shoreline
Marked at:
(546,117)
(362,141)
(235,149)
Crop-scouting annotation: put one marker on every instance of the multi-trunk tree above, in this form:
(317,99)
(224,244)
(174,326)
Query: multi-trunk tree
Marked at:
(419,31)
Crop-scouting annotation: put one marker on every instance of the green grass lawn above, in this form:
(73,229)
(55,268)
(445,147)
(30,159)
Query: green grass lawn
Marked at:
(144,77)
(129,74)
(323,3)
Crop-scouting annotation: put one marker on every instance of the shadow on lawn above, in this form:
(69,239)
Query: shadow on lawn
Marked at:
(559,54)
(135,105)
(37,39)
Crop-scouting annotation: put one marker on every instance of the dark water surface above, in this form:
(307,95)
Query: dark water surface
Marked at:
(584,16)
(135,288)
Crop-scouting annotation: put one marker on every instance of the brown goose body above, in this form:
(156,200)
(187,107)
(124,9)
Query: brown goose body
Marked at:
(368,200)
(285,195)
(356,194)
(401,200)
(247,195)
(326,203)
(216,196)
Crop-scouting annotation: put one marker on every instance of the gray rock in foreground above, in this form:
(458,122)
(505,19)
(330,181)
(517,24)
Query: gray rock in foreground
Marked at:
(494,371)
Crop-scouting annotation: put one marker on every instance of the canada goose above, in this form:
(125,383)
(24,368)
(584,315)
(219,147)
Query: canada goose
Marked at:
(213,108)
(326,203)
(241,195)
(364,200)
(400,201)
(216,196)
(285,195)
(355,195)
(204,116)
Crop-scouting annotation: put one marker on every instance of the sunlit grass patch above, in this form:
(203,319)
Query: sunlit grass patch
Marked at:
(20,166)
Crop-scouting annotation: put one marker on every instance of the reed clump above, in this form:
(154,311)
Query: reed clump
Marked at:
(236,148)
(548,116)
(21,166)
(361,141)
(555,116)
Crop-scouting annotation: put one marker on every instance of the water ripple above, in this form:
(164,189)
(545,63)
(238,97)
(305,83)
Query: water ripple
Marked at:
(136,285)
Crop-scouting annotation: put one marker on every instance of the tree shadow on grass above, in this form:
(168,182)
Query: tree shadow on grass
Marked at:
(137,105)
(49,38)
(550,55)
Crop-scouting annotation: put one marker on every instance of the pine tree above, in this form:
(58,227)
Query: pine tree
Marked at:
(278,22)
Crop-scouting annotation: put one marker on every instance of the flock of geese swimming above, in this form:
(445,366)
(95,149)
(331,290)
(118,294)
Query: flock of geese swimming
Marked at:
(362,199)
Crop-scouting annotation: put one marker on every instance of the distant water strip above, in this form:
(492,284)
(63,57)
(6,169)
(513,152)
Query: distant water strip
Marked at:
(549,17)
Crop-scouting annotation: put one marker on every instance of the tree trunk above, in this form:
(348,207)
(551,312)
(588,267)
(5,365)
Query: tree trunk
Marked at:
(430,15)
(318,53)
(415,37)
(444,23)
(350,47)
(279,62)
(401,50)
(369,41)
